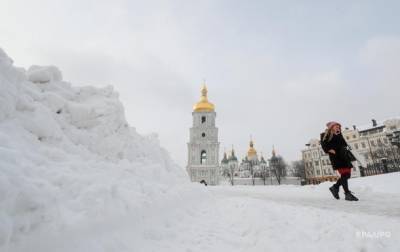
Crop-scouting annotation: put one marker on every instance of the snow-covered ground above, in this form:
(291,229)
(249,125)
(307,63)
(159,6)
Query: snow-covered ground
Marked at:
(245,218)
(74,176)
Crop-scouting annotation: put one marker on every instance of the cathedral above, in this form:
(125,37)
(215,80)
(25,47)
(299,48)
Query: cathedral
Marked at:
(250,166)
(203,150)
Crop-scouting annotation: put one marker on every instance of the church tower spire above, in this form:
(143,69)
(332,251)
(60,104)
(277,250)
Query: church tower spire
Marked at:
(204,105)
(273,151)
(252,151)
(203,146)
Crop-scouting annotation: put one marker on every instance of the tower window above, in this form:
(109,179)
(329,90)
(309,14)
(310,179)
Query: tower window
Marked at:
(203,119)
(203,134)
(203,157)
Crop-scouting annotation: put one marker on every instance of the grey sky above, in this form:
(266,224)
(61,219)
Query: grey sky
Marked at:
(275,69)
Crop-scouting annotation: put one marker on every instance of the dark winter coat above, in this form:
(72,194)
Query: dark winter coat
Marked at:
(338,144)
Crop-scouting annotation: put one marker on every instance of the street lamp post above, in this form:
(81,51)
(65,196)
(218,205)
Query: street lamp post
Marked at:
(252,163)
(274,168)
(231,171)
(270,173)
(385,167)
(265,173)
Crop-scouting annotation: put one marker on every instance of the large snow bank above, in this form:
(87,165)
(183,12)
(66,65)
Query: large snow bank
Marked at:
(69,158)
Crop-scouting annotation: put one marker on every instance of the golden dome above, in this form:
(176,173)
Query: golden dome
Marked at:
(251,152)
(203,105)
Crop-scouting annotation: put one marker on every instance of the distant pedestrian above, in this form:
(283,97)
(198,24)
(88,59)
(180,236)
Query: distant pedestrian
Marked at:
(335,146)
(203,182)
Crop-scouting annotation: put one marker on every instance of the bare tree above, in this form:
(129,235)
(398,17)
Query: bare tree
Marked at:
(386,155)
(264,172)
(278,168)
(299,169)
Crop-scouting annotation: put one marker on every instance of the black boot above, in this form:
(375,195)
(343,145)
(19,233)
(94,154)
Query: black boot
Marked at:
(335,191)
(350,197)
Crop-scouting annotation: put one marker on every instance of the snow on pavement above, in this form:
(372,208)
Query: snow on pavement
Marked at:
(282,218)
(261,218)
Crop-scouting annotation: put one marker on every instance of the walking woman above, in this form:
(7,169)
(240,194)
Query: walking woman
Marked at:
(335,146)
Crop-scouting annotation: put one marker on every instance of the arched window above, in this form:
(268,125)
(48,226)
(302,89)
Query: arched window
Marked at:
(203,157)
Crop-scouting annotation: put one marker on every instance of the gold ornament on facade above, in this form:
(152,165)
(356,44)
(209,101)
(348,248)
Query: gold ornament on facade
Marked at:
(204,105)
(251,152)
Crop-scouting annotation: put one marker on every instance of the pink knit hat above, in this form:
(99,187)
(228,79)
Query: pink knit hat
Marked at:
(331,124)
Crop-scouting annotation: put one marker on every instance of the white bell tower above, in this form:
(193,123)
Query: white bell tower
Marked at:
(203,147)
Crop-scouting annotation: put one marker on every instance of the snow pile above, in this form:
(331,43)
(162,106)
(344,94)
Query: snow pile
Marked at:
(69,159)
(44,74)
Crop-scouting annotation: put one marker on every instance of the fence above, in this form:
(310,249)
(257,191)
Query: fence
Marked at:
(260,181)
(379,168)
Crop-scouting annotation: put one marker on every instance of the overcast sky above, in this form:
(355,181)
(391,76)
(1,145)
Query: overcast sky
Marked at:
(276,70)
